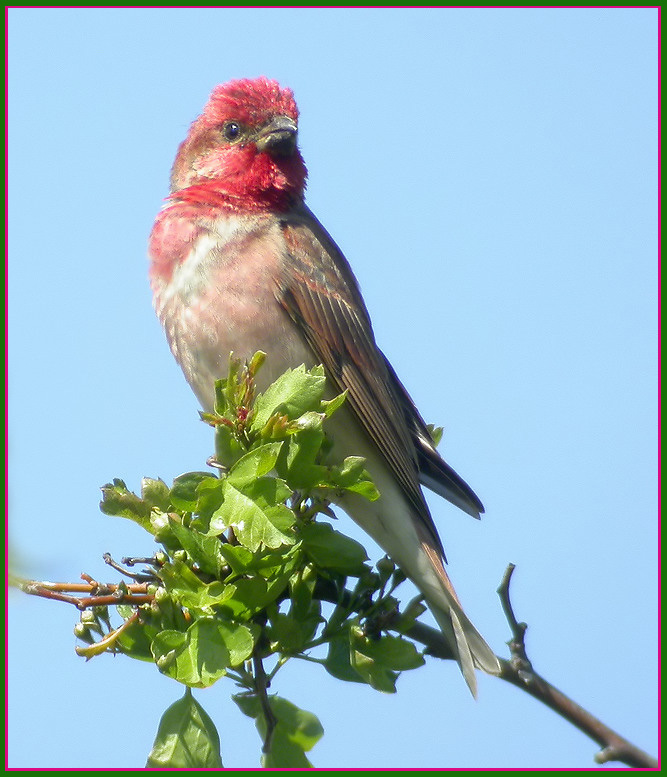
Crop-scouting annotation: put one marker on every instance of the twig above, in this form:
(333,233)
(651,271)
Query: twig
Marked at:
(100,594)
(519,671)
(107,643)
(516,644)
(261,686)
(144,576)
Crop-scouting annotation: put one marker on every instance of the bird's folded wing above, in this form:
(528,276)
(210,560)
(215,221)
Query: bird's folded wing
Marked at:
(434,472)
(320,293)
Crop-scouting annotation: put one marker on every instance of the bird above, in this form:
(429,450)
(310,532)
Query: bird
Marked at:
(239,263)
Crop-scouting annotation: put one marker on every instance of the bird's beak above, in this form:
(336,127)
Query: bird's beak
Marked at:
(278,137)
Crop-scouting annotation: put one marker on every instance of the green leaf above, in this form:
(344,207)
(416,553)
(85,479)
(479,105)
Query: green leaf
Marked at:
(160,528)
(209,499)
(255,525)
(265,492)
(303,472)
(308,421)
(202,549)
(220,404)
(376,676)
(255,464)
(412,610)
(385,568)
(186,738)
(118,501)
(268,491)
(202,655)
(187,589)
(240,559)
(350,471)
(302,727)
(332,550)
(392,652)
(284,753)
(256,362)
(238,640)
(379,660)
(226,390)
(302,588)
(293,393)
(267,562)
(228,449)
(296,731)
(183,493)
(436,433)
(286,632)
(294,629)
(352,476)
(244,598)
(156,493)
(135,640)
(330,406)
(337,662)
(276,428)
(291,633)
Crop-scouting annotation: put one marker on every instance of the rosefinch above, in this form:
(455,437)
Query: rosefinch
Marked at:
(239,263)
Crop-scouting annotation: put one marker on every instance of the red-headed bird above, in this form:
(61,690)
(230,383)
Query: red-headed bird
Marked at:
(239,263)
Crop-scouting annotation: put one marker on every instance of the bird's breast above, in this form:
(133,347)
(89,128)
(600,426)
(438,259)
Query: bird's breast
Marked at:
(222,297)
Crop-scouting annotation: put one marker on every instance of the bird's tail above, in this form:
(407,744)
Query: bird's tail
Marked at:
(469,647)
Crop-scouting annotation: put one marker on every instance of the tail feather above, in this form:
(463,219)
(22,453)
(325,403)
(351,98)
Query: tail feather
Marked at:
(451,627)
(409,537)
(468,645)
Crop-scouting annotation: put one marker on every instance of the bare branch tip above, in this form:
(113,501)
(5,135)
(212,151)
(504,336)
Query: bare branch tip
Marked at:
(503,588)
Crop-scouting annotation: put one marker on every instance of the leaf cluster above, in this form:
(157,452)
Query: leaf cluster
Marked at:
(247,577)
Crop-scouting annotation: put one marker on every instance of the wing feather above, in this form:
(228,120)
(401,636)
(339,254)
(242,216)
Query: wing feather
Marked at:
(323,297)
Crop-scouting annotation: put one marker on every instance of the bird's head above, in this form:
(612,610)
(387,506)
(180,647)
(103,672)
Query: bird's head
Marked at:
(243,147)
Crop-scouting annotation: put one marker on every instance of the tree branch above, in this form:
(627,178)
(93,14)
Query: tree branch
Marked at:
(100,594)
(261,687)
(519,672)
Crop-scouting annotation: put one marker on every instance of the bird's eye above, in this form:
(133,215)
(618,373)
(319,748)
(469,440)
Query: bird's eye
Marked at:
(232,130)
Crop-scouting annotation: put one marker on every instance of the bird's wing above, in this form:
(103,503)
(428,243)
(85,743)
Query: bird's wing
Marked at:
(434,472)
(320,293)
(323,297)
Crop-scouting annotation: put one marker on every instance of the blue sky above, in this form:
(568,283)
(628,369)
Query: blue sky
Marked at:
(491,174)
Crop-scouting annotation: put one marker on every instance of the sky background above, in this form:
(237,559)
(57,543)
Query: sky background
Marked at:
(491,175)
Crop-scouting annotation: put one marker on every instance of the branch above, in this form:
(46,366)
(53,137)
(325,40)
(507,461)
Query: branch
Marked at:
(99,594)
(108,642)
(261,686)
(519,672)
